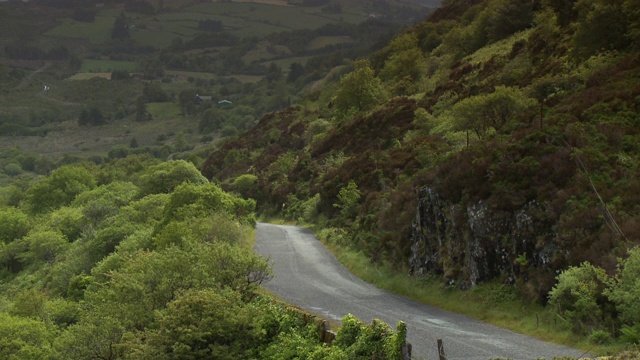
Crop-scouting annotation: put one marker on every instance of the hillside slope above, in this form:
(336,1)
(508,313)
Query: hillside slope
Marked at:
(495,140)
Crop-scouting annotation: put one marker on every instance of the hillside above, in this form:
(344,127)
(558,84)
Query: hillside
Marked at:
(494,142)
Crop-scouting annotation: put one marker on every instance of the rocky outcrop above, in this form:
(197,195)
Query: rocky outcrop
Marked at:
(471,243)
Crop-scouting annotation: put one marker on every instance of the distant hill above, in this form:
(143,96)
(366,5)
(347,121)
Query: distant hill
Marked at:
(138,65)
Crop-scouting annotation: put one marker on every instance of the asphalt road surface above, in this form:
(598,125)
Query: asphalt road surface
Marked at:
(309,276)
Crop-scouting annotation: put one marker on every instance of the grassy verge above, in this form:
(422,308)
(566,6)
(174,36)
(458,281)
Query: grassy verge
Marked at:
(493,303)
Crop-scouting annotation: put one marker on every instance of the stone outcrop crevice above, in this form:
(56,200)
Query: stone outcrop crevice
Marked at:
(472,242)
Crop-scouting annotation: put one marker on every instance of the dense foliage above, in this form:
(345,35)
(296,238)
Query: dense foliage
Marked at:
(152,265)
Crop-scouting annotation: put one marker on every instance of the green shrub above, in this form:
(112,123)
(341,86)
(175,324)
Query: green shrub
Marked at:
(600,337)
(164,177)
(24,338)
(625,289)
(14,224)
(577,297)
(60,188)
(12,169)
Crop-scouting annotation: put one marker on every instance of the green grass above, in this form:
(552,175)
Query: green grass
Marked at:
(156,39)
(92,65)
(163,109)
(96,32)
(89,75)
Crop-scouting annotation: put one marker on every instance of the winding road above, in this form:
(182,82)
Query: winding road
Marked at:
(309,276)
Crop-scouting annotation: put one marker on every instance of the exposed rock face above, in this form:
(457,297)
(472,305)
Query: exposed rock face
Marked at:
(470,243)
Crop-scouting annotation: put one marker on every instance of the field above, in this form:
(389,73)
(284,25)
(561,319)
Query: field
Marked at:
(163,109)
(90,75)
(92,65)
(96,32)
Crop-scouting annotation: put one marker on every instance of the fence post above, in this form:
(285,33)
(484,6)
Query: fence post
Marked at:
(441,354)
(406,351)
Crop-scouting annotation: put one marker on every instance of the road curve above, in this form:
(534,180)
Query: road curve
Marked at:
(309,276)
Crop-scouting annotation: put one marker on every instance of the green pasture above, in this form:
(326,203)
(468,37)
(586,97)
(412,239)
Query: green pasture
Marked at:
(90,75)
(156,39)
(96,32)
(324,41)
(93,65)
(163,109)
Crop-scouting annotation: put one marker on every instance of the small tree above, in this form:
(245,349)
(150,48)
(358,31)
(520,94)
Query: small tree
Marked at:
(358,90)
(120,30)
(405,66)
(625,289)
(348,196)
(499,110)
(578,297)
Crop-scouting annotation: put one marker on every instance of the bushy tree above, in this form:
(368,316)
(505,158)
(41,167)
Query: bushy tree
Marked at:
(60,188)
(602,25)
(164,177)
(24,338)
(212,120)
(120,29)
(43,246)
(358,90)
(578,297)
(201,324)
(91,116)
(500,110)
(625,289)
(14,224)
(69,221)
(405,64)
(507,17)
(97,336)
(245,185)
(192,200)
(348,196)
(153,92)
